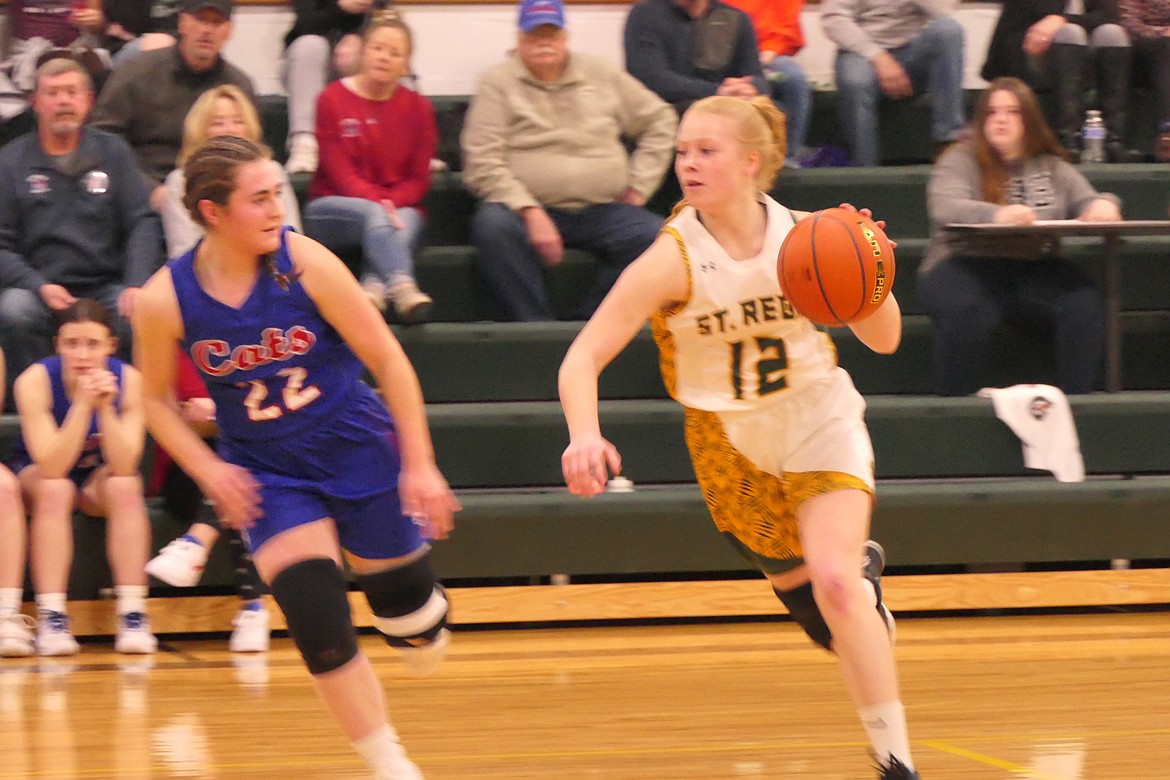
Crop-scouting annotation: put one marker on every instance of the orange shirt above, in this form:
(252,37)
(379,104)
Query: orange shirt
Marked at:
(777,23)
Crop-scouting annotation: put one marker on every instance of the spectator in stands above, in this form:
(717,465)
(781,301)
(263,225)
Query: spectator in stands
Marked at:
(82,433)
(1148,25)
(377,138)
(1012,170)
(895,49)
(16,638)
(1057,45)
(779,37)
(75,219)
(543,150)
(684,50)
(324,42)
(222,110)
(40,30)
(147,99)
(135,26)
(38,26)
(181,562)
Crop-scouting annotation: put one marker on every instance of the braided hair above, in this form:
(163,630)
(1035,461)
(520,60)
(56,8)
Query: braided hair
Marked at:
(211,175)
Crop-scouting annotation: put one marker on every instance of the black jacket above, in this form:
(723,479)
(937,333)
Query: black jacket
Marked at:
(1005,55)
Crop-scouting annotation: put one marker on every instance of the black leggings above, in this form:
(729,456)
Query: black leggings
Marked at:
(968,298)
(1151,66)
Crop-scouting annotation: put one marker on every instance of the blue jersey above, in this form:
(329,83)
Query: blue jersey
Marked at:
(287,388)
(91,452)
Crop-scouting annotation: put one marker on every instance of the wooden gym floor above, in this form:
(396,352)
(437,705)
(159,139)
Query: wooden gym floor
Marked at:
(1049,698)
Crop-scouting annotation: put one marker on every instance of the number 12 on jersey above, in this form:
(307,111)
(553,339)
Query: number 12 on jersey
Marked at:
(767,354)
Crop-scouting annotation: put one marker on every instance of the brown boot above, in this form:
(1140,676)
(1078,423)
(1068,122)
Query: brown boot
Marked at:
(411,304)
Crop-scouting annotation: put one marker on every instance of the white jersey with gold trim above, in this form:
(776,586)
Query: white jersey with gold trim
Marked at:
(736,343)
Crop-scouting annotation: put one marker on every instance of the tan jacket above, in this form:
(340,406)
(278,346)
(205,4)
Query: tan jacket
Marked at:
(528,143)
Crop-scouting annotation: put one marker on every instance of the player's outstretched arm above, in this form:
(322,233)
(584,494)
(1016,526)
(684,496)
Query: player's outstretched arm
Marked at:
(654,281)
(882,330)
(157,330)
(423,490)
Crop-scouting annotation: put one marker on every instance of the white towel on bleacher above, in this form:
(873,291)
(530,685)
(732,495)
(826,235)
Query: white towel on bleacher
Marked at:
(1041,416)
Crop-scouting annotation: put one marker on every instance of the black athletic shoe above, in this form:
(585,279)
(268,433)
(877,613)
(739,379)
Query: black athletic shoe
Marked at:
(895,770)
(872,566)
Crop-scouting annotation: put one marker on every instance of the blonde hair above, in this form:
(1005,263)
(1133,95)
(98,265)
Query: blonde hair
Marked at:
(198,120)
(760,127)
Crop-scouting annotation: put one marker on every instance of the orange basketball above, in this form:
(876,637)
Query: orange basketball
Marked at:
(836,267)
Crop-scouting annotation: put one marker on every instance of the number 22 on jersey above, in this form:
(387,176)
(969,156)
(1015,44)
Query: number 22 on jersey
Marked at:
(293,396)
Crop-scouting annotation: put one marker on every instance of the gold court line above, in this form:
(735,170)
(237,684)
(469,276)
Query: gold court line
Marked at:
(987,760)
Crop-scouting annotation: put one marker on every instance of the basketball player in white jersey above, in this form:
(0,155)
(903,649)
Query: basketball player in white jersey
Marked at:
(775,428)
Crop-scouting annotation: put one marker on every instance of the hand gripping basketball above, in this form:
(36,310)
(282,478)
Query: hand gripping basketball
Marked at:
(836,266)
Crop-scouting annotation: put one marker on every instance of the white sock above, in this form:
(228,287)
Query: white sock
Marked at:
(380,745)
(130,598)
(885,724)
(10,601)
(51,602)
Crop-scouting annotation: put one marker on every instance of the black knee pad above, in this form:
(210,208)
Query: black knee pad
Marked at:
(804,610)
(409,606)
(312,595)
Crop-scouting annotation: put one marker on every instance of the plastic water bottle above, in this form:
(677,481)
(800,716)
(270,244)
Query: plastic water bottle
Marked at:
(1093,138)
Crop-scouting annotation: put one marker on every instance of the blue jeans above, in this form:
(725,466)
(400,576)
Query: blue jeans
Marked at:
(513,270)
(26,325)
(934,62)
(346,225)
(791,90)
(967,298)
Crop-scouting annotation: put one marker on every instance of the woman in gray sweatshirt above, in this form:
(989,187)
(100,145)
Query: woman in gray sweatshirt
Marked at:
(1010,170)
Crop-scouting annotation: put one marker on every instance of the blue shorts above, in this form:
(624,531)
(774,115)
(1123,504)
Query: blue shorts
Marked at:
(78,475)
(347,470)
(371,527)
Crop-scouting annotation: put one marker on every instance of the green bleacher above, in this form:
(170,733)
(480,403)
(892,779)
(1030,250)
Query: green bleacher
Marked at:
(952,488)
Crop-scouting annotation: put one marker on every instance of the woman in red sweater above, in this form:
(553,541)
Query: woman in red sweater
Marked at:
(376,140)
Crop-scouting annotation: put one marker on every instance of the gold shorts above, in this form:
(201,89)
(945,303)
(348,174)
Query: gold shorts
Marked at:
(756,468)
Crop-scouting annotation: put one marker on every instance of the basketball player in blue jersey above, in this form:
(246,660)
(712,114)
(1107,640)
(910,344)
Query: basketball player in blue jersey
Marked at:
(82,436)
(16,638)
(311,464)
(775,428)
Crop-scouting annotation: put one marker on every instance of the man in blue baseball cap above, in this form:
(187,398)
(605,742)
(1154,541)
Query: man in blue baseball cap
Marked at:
(543,151)
(534,13)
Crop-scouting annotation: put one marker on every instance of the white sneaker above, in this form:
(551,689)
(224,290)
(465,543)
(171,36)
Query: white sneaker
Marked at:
(16,636)
(423,660)
(54,636)
(250,634)
(134,635)
(180,563)
(302,154)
